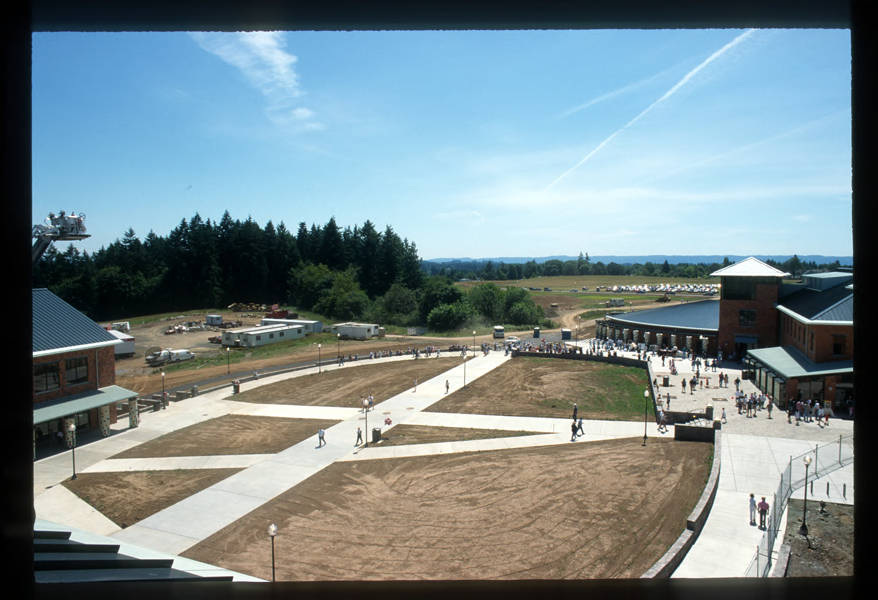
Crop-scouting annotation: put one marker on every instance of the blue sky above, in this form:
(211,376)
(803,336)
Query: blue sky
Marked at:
(470,144)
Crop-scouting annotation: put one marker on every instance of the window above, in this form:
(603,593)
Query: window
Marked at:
(812,340)
(738,288)
(271,336)
(838,344)
(47,378)
(746,318)
(76,370)
(258,338)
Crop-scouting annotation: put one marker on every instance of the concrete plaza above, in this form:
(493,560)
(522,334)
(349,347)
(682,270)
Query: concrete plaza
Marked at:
(754,452)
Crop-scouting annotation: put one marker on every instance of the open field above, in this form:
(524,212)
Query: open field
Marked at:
(544,513)
(563,283)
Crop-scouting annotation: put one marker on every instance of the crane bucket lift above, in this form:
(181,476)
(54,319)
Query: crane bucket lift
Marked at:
(57,228)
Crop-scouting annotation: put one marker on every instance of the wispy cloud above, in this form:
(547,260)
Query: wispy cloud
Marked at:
(617,92)
(262,58)
(673,90)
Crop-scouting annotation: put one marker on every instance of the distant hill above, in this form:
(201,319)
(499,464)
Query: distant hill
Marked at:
(656,258)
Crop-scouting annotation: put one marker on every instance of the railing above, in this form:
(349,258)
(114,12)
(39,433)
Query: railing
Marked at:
(824,460)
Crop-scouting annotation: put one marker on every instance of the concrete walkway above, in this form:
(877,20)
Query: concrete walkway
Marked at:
(755,451)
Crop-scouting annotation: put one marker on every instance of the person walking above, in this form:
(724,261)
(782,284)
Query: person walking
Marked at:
(683,383)
(579,429)
(320,438)
(359,437)
(763,512)
(724,415)
(573,431)
(447,387)
(752,510)
(770,403)
(575,410)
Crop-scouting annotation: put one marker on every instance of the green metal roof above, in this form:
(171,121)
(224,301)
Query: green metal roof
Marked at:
(789,363)
(70,405)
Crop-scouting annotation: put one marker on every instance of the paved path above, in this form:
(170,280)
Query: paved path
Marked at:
(755,451)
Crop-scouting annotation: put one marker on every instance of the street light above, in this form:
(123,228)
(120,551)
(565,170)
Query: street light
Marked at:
(803,530)
(645,402)
(272,531)
(318,359)
(228,367)
(338,346)
(474,343)
(71,427)
(464,370)
(164,404)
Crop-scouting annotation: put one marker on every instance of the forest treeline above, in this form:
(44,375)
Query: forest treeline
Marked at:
(352,273)
(499,271)
(357,273)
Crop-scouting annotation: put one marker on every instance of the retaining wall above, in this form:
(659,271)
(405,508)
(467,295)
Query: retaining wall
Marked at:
(668,563)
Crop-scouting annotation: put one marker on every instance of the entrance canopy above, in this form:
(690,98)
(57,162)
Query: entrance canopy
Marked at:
(789,363)
(71,405)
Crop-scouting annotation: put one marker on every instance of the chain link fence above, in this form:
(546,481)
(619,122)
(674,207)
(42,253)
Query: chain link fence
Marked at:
(824,460)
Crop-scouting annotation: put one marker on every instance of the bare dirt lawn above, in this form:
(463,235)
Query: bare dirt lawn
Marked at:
(230,434)
(402,435)
(588,510)
(128,497)
(347,385)
(829,549)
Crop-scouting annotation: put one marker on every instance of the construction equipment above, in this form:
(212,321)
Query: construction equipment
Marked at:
(168,355)
(60,228)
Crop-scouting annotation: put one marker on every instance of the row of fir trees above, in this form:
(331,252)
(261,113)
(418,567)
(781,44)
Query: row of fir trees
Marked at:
(359,273)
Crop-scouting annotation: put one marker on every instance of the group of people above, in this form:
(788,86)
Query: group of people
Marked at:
(576,429)
(808,411)
(752,402)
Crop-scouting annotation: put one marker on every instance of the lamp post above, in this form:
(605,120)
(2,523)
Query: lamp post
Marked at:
(228,366)
(366,413)
(71,427)
(163,391)
(272,531)
(803,530)
(474,343)
(645,403)
(338,346)
(318,359)
(464,370)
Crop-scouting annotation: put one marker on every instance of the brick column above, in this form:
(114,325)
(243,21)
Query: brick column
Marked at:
(133,413)
(104,420)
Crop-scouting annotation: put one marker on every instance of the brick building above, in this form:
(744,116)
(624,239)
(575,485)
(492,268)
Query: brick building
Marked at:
(796,340)
(74,372)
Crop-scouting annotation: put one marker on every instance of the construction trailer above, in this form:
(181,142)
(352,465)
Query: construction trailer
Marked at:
(309,326)
(126,348)
(213,320)
(499,331)
(250,337)
(356,331)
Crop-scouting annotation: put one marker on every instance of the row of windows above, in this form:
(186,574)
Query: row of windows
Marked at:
(47,376)
(798,332)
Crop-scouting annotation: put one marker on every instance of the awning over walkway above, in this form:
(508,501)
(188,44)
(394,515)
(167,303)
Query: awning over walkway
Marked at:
(71,405)
(789,363)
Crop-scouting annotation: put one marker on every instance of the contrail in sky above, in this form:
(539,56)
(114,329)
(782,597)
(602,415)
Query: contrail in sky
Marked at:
(666,95)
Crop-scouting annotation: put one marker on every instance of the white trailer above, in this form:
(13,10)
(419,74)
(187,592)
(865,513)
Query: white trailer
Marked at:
(122,326)
(126,345)
(250,337)
(356,331)
(499,332)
